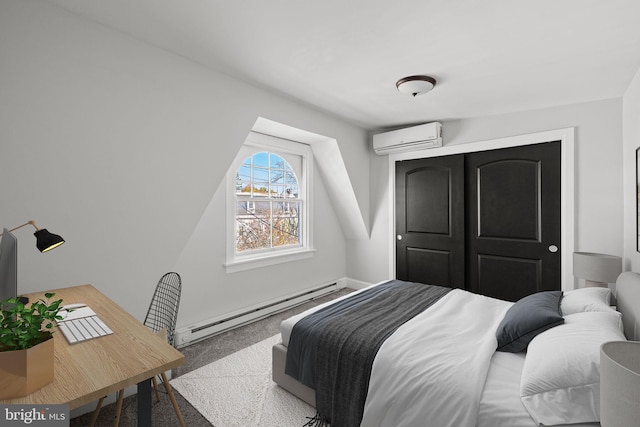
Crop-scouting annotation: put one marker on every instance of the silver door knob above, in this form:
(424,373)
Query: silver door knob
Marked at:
(553,249)
(399,237)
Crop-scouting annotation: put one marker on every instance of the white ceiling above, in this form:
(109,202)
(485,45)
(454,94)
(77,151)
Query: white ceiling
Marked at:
(344,56)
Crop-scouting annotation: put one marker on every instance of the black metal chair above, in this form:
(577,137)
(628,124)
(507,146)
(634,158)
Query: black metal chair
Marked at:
(161,318)
(163,311)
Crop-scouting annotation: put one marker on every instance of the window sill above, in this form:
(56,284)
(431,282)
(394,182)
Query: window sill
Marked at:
(243,264)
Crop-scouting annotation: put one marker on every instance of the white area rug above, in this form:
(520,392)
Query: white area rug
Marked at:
(238,391)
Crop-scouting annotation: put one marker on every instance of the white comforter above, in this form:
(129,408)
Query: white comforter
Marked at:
(431,371)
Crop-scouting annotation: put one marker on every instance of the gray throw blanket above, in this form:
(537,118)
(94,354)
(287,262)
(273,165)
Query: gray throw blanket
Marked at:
(332,350)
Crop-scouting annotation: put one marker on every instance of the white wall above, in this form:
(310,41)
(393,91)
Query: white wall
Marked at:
(120,147)
(598,174)
(631,136)
(368,260)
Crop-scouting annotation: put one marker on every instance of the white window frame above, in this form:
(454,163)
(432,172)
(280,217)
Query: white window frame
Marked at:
(257,142)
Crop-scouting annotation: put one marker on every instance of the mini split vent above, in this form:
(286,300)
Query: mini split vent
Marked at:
(413,138)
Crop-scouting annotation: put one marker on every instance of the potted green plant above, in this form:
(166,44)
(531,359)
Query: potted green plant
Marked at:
(26,347)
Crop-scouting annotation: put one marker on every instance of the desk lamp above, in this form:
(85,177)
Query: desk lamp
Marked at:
(45,241)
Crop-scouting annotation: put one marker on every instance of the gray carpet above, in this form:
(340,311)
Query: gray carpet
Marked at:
(196,356)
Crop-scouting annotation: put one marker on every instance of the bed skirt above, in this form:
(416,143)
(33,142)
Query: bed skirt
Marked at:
(279,359)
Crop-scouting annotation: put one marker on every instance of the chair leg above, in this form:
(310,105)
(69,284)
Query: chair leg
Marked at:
(116,420)
(96,412)
(174,402)
(155,388)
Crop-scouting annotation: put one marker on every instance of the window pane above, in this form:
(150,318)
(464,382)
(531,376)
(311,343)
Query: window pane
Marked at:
(290,177)
(286,223)
(292,184)
(292,191)
(261,160)
(276,162)
(278,191)
(243,179)
(261,177)
(253,225)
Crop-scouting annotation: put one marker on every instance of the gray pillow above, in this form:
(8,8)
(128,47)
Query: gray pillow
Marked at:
(527,318)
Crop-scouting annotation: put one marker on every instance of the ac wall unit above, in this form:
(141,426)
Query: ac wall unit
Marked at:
(414,138)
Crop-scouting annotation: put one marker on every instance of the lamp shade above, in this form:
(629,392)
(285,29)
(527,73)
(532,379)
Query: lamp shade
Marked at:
(619,383)
(598,268)
(46,241)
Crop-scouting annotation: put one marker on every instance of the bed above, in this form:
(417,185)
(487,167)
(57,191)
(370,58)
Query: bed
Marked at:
(547,372)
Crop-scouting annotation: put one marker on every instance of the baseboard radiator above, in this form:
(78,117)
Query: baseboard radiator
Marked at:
(202,330)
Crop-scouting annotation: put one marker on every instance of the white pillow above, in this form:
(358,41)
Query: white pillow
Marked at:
(560,381)
(586,299)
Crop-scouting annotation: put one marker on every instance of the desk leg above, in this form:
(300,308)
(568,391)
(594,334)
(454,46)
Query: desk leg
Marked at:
(144,403)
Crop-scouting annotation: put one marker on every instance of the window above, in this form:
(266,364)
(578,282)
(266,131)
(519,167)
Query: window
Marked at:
(267,204)
(268,209)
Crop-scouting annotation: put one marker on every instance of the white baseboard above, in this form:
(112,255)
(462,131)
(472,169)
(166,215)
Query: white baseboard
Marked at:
(356,284)
(202,330)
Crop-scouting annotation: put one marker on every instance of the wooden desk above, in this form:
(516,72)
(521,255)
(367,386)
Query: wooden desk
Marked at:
(89,370)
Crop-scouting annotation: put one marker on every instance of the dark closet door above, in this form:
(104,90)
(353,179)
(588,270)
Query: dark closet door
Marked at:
(430,221)
(513,221)
(488,221)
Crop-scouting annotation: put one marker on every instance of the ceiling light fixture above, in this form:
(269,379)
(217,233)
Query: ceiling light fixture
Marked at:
(416,85)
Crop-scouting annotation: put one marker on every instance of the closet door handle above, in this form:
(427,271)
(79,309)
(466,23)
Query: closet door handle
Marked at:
(553,249)
(399,237)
